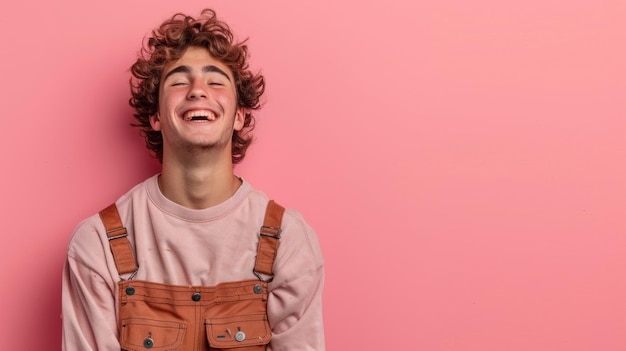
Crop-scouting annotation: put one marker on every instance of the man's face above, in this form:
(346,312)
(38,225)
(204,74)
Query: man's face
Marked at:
(197,105)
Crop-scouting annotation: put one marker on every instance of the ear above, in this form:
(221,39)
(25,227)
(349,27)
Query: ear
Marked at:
(240,117)
(155,122)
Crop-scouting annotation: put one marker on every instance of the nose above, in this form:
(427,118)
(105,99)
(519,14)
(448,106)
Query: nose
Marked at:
(197,90)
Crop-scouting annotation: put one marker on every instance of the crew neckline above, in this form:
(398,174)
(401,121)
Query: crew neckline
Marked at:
(203,215)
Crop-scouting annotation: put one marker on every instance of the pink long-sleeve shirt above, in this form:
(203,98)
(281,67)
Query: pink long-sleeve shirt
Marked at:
(180,246)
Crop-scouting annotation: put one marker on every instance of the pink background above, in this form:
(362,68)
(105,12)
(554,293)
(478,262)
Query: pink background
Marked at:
(462,161)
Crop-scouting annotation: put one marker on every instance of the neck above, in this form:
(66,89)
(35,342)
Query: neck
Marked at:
(196,185)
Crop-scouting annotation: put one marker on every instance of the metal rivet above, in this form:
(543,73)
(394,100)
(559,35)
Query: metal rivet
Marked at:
(258,289)
(148,343)
(130,290)
(196,297)
(240,336)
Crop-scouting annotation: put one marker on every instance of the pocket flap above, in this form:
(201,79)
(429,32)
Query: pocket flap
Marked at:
(147,334)
(238,331)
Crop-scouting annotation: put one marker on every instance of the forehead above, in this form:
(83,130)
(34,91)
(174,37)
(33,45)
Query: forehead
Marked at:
(196,58)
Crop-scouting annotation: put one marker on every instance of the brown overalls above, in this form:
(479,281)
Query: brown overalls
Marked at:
(228,316)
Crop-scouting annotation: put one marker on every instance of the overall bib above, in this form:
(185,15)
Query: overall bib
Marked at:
(228,316)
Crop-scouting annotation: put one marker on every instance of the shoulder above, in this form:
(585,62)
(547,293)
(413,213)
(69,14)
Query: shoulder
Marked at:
(299,247)
(295,224)
(299,251)
(88,243)
(297,228)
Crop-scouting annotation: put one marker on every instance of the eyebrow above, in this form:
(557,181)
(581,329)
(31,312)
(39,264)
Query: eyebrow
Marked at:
(205,69)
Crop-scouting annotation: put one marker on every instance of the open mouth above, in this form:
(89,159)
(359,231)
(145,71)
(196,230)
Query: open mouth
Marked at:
(199,116)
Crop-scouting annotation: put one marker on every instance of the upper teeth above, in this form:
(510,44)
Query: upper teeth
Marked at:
(199,113)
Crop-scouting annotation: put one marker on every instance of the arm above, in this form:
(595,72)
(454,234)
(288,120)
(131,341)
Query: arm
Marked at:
(295,314)
(88,309)
(295,299)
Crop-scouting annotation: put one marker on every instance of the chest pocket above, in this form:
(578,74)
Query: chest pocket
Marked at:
(147,334)
(251,332)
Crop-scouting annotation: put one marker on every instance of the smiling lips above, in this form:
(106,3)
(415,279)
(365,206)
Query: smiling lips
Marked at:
(199,115)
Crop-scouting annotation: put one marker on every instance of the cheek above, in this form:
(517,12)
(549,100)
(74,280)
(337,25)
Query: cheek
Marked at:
(164,101)
(171,97)
(225,99)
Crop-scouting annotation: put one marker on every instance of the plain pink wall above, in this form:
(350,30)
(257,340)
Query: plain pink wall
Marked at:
(462,161)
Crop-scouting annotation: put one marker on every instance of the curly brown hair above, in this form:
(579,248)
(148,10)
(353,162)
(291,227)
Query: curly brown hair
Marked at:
(167,44)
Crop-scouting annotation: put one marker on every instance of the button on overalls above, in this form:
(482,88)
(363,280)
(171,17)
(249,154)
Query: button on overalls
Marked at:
(228,316)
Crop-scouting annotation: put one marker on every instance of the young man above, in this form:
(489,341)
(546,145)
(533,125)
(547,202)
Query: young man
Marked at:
(194,258)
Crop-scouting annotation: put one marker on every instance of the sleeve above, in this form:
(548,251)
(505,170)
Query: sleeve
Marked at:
(296,314)
(295,299)
(88,309)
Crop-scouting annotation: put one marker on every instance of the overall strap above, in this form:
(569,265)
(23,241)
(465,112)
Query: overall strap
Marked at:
(118,240)
(268,242)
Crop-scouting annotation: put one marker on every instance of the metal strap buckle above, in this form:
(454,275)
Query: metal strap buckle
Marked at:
(272,232)
(122,233)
